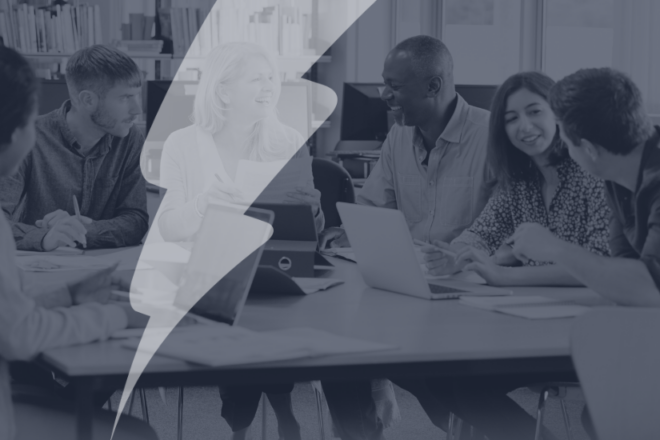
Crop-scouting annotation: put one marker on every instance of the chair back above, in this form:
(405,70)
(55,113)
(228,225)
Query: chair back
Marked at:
(616,353)
(335,185)
(358,145)
(354,167)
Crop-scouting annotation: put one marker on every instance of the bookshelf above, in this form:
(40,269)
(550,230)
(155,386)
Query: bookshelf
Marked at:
(48,33)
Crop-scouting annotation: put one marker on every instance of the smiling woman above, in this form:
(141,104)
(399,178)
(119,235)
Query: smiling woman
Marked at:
(539,183)
(235,127)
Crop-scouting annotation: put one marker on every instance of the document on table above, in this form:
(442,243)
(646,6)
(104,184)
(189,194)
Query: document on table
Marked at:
(312,285)
(56,263)
(223,345)
(270,182)
(46,262)
(62,250)
(531,307)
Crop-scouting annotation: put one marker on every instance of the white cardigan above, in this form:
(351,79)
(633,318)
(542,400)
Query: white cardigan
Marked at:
(189,163)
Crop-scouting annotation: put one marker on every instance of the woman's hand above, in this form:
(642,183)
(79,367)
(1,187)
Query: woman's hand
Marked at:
(504,256)
(219,192)
(305,196)
(479,262)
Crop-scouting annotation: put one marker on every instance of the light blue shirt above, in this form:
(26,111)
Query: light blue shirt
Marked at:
(441,199)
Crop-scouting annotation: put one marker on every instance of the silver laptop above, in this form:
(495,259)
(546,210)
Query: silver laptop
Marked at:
(224,299)
(386,256)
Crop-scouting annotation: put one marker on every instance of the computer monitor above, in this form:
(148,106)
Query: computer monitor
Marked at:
(52,95)
(293,107)
(364,114)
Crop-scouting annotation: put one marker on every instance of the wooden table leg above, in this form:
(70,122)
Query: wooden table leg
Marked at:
(84,409)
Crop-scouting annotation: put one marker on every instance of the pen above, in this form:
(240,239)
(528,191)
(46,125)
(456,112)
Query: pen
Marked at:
(76,209)
(444,251)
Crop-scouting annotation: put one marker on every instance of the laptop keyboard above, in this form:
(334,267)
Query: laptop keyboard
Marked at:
(435,288)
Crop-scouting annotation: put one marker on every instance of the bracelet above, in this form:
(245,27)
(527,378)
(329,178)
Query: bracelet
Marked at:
(196,208)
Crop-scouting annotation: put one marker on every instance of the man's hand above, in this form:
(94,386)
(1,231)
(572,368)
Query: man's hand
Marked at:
(305,196)
(50,219)
(485,266)
(335,236)
(440,259)
(532,241)
(96,287)
(66,232)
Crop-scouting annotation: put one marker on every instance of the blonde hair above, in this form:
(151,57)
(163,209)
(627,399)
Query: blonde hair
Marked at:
(270,139)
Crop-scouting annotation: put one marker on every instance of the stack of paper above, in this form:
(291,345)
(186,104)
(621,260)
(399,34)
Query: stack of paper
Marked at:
(222,345)
(531,307)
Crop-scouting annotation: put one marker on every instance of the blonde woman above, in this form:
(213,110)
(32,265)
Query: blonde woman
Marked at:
(235,120)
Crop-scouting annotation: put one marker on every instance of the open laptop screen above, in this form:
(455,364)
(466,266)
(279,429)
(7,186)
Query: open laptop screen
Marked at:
(223,300)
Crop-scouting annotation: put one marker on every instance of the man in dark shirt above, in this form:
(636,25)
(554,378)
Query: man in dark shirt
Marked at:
(90,149)
(603,121)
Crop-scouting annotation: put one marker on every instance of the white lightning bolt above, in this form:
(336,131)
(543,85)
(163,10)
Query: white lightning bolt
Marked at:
(334,18)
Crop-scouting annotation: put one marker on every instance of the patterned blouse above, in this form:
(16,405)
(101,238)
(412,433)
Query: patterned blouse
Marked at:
(578,212)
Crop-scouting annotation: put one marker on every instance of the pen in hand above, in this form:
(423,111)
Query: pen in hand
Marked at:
(76,209)
(447,252)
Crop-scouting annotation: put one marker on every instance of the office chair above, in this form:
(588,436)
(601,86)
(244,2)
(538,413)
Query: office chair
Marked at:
(348,155)
(335,185)
(616,354)
(557,390)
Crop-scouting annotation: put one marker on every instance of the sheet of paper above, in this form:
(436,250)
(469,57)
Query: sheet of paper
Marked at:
(62,250)
(225,346)
(312,285)
(549,311)
(57,263)
(492,303)
(269,182)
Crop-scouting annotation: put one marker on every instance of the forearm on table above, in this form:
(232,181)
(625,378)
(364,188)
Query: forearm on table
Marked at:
(59,297)
(123,230)
(625,281)
(28,237)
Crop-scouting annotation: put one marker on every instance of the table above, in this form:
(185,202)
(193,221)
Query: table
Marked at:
(440,338)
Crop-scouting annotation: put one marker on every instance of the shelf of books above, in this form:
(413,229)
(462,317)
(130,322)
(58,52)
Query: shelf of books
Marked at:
(48,34)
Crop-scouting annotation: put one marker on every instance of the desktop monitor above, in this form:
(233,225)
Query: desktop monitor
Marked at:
(52,94)
(365,115)
(293,107)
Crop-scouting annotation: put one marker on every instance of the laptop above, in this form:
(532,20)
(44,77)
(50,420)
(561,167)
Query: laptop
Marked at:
(224,299)
(386,256)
